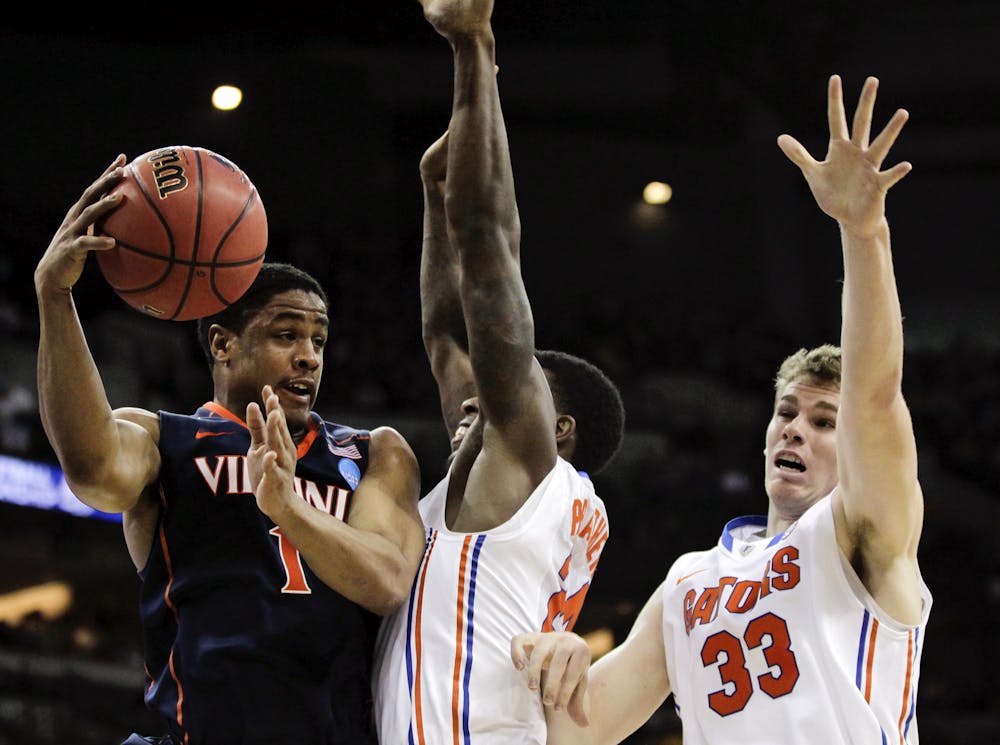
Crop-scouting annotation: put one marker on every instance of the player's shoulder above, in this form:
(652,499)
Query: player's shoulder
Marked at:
(345,433)
(687,563)
(387,439)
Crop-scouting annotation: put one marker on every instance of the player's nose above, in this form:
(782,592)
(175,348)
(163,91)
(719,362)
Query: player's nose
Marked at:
(306,357)
(470,406)
(792,431)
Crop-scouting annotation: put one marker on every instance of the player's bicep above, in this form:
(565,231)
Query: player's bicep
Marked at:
(878,484)
(525,425)
(385,502)
(134,465)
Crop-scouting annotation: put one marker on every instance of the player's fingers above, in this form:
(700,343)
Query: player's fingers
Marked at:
(111,176)
(95,243)
(887,137)
(255,423)
(795,152)
(568,682)
(277,430)
(521,647)
(578,707)
(575,670)
(537,663)
(887,179)
(835,109)
(862,125)
(552,690)
(87,215)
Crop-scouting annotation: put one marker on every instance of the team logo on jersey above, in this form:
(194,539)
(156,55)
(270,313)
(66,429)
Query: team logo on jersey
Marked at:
(202,433)
(350,471)
(738,595)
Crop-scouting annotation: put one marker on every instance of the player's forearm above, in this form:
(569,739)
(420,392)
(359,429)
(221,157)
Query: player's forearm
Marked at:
(73,405)
(364,567)
(480,187)
(872,331)
(440,303)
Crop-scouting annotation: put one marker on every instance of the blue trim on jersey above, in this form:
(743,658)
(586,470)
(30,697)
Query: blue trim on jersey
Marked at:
(468,638)
(776,538)
(738,522)
(861,650)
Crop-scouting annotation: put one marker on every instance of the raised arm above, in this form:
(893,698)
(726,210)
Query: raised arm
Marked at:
(107,457)
(484,231)
(442,320)
(878,504)
(372,558)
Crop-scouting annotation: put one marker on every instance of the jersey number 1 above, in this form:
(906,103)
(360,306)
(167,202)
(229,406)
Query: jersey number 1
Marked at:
(732,665)
(291,560)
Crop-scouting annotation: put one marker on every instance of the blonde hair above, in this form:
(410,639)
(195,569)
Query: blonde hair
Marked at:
(819,366)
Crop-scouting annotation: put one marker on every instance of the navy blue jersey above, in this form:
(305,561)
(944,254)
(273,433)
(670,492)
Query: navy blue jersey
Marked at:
(242,642)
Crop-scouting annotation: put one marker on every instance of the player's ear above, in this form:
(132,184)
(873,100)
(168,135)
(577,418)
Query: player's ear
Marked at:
(565,427)
(219,340)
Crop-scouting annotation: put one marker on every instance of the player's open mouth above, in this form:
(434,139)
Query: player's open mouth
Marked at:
(300,390)
(789,462)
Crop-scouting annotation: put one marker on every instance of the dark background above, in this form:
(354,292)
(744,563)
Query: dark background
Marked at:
(689,307)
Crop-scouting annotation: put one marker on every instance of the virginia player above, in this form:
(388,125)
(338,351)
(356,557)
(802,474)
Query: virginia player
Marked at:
(268,541)
(805,625)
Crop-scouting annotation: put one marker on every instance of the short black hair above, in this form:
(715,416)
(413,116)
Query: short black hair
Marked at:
(582,390)
(272,279)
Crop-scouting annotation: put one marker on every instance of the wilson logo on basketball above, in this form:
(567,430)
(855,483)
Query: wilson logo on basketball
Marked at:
(167,174)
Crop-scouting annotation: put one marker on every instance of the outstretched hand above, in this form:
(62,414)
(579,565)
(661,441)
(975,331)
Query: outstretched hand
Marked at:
(452,18)
(849,185)
(63,261)
(556,663)
(272,454)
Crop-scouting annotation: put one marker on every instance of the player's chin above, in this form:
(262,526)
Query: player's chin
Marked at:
(296,412)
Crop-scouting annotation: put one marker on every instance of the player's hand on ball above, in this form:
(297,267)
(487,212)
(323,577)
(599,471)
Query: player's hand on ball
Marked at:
(63,261)
(556,664)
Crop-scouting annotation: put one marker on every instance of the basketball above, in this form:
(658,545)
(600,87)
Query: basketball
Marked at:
(191,234)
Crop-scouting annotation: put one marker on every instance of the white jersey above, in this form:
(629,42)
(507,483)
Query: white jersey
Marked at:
(777,640)
(443,672)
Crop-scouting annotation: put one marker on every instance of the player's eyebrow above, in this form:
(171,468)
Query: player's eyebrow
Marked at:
(794,400)
(298,315)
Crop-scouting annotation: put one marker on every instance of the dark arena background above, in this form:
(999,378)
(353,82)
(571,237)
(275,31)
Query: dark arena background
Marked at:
(689,305)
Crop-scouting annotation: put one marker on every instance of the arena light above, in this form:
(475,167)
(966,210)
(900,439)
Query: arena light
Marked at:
(227,97)
(657,192)
(50,599)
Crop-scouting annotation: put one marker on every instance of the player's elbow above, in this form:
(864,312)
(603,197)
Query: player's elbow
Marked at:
(390,595)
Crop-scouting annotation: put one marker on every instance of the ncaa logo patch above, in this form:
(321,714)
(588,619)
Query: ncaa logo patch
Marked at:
(350,471)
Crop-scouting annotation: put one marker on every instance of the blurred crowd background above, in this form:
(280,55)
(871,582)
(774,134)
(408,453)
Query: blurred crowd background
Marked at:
(689,306)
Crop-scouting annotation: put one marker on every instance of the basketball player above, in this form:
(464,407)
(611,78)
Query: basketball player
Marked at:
(805,625)
(266,539)
(514,531)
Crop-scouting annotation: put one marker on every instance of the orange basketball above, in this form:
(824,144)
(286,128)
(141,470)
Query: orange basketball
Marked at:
(191,234)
